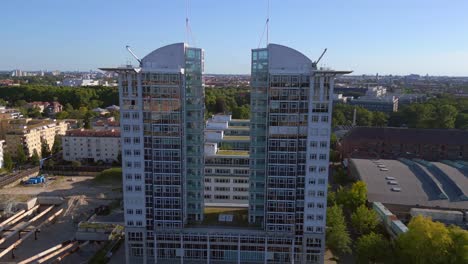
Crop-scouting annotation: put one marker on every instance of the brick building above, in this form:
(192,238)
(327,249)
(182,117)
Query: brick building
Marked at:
(428,144)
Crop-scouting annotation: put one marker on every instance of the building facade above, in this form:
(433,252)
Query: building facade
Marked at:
(291,108)
(395,142)
(162,123)
(227,162)
(2,144)
(91,145)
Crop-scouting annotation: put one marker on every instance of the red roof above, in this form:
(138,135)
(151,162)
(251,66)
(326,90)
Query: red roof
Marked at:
(93,133)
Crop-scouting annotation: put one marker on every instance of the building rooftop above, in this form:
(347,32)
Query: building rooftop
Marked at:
(93,133)
(432,185)
(21,128)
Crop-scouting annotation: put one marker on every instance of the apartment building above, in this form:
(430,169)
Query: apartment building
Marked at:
(32,133)
(166,219)
(91,145)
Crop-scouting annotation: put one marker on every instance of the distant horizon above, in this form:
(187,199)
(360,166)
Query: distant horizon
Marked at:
(349,75)
(390,37)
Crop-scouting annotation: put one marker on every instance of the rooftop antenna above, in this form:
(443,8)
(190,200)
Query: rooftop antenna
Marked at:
(188,29)
(267,26)
(318,60)
(133,54)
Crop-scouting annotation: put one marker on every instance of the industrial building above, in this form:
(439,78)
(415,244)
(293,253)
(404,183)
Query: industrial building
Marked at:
(166,220)
(404,184)
(395,142)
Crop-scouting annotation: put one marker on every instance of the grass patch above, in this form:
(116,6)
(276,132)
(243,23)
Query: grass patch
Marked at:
(232,152)
(246,138)
(109,176)
(240,216)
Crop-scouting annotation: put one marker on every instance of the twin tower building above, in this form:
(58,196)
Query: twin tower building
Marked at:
(162,129)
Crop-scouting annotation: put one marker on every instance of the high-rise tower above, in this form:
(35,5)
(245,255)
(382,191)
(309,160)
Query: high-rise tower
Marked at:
(291,110)
(162,122)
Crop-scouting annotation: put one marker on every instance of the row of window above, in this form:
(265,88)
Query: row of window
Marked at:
(227,197)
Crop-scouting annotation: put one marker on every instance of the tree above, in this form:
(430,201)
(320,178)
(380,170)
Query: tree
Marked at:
(379,119)
(446,116)
(57,147)
(35,158)
(21,157)
(62,115)
(45,149)
(338,118)
(7,162)
(337,236)
(75,163)
(372,248)
(357,194)
(221,105)
(459,248)
(425,242)
(364,220)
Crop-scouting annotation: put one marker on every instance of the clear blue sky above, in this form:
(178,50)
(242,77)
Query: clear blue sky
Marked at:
(367,36)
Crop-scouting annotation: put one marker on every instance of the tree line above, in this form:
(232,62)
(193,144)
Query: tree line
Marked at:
(445,111)
(353,227)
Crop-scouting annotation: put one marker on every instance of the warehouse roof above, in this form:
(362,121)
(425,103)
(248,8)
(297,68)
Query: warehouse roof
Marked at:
(433,184)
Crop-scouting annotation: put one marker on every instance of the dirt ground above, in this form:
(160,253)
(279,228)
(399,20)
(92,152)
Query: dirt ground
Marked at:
(81,196)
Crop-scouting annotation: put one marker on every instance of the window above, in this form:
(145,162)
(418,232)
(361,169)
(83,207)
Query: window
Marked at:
(312,169)
(126,128)
(138,211)
(313,156)
(324,118)
(129,211)
(135,115)
(323,157)
(315,118)
(313,144)
(128,176)
(138,188)
(129,188)
(323,144)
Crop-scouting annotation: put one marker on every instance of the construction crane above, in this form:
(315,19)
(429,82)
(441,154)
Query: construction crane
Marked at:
(133,54)
(314,64)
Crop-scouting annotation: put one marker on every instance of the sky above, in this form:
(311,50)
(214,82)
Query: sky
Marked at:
(367,36)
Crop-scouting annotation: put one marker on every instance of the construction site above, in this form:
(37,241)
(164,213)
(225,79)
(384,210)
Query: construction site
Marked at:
(61,219)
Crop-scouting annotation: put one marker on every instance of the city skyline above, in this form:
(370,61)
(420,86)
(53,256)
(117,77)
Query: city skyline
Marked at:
(395,37)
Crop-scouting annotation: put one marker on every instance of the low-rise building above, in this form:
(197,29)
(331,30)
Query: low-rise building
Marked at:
(403,184)
(105,123)
(91,145)
(30,134)
(47,107)
(386,104)
(75,82)
(226,162)
(9,113)
(395,142)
